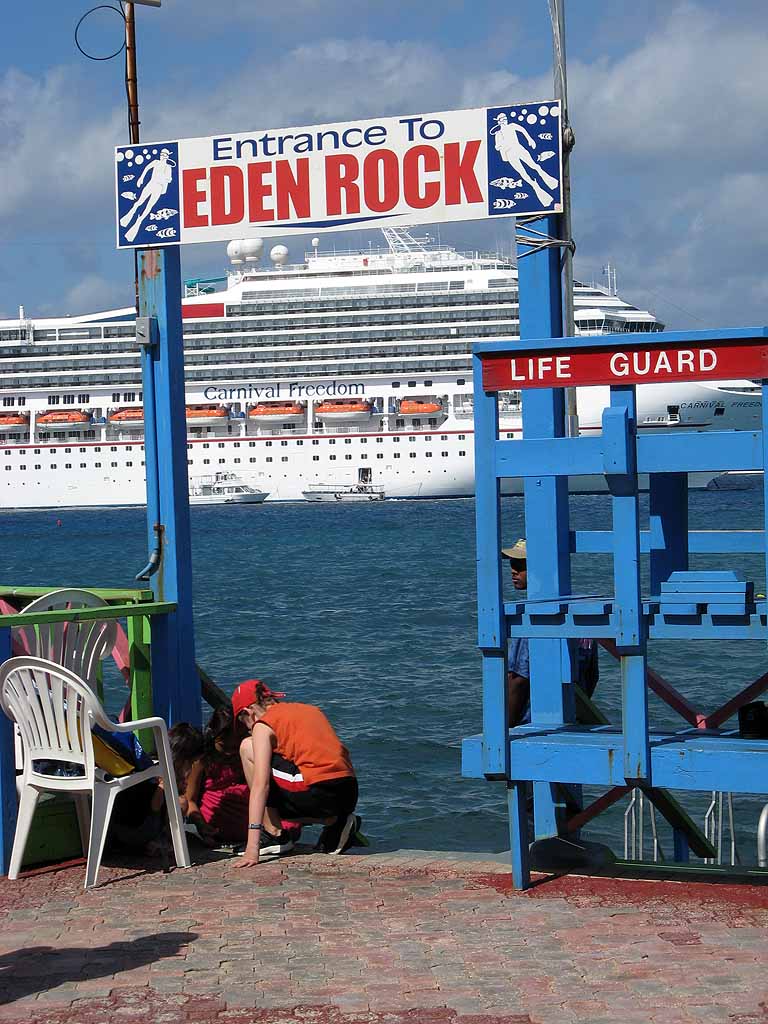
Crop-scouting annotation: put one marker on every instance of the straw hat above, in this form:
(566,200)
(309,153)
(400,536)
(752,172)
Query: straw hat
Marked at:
(517,551)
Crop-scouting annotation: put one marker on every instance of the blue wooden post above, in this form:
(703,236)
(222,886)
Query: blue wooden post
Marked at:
(491,632)
(546,498)
(668,526)
(8,801)
(176,688)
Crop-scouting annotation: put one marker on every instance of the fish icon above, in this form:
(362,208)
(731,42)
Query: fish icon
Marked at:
(504,204)
(504,183)
(128,177)
(167,233)
(128,195)
(521,195)
(546,155)
(545,136)
(151,227)
(164,214)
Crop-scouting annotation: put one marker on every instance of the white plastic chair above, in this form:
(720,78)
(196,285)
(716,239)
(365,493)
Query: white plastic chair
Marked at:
(55,711)
(78,646)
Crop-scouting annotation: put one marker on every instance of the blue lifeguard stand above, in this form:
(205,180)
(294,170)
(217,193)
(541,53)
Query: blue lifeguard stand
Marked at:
(554,749)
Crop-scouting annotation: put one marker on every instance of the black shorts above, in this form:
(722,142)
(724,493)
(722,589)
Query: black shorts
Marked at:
(332,799)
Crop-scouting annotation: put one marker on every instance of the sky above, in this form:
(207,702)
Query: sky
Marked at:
(667,99)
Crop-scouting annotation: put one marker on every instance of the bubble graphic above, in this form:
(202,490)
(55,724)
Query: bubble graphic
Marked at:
(554,111)
(154,152)
(120,157)
(129,154)
(145,151)
(543,111)
(520,117)
(139,159)
(531,119)
(525,110)
(542,121)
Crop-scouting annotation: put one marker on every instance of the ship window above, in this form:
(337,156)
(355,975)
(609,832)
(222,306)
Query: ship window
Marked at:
(22,467)
(411,383)
(251,444)
(67,451)
(379,455)
(396,440)
(113,448)
(53,399)
(36,451)
(347,440)
(427,383)
(444,454)
(252,459)
(237,460)
(268,459)
(37,465)
(332,458)
(395,383)
(397,455)
(315,442)
(299,444)
(510,435)
(97,465)
(347,456)
(413,455)
(7,451)
(363,456)
(8,468)
(81,451)
(363,440)
(221,461)
(284,458)
(417,423)
(189,447)
(206,462)
(460,380)
(428,454)
(331,441)
(284,444)
(399,423)
(69,399)
(720,411)
(462,453)
(206,445)
(379,440)
(83,398)
(115,396)
(411,438)
(221,444)
(129,463)
(82,465)
(190,462)
(315,458)
(9,401)
(237,444)
(143,463)
(113,465)
(51,451)
(22,401)
(97,449)
(269,444)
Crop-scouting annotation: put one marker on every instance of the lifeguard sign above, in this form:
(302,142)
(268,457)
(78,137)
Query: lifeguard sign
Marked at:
(458,165)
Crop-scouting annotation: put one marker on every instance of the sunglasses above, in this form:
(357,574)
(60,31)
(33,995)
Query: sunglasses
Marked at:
(518,564)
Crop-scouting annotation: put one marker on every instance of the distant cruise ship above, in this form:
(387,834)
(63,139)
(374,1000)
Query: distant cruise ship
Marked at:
(349,371)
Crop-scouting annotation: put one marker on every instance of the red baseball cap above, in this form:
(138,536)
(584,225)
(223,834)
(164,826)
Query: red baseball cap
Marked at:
(247,693)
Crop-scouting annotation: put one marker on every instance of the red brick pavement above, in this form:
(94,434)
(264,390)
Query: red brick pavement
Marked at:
(377,939)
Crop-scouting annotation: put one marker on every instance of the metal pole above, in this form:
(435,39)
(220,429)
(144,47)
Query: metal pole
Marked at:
(557,15)
(131,77)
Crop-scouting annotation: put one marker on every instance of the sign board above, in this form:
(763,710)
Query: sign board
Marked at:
(427,168)
(647,364)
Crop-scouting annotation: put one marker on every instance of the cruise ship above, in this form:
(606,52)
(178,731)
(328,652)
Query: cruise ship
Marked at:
(348,371)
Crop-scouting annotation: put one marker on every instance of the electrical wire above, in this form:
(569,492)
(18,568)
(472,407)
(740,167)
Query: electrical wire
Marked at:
(99,7)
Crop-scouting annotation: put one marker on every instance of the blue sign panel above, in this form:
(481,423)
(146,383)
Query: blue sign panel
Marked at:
(148,194)
(524,160)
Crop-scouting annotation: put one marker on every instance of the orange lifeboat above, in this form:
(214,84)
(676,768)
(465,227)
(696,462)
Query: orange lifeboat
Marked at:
(340,410)
(276,412)
(420,407)
(13,419)
(206,415)
(127,418)
(64,418)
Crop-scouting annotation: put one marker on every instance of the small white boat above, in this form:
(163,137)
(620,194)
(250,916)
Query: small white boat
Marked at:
(223,489)
(349,492)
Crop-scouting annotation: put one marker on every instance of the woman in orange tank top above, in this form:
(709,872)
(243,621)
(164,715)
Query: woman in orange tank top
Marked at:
(297,768)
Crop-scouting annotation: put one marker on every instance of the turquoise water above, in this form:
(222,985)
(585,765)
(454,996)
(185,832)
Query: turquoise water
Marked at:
(369,611)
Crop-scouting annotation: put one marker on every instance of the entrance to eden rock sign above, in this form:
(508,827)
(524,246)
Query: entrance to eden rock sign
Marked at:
(567,743)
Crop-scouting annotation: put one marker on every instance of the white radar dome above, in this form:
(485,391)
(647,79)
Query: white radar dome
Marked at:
(252,248)
(235,251)
(315,242)
(279,254)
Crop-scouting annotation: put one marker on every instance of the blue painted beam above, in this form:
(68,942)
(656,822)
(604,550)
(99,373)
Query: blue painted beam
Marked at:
(699,541)
(693,761)
(687,452)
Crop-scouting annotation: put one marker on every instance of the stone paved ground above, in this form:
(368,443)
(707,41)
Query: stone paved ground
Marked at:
(377,939)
